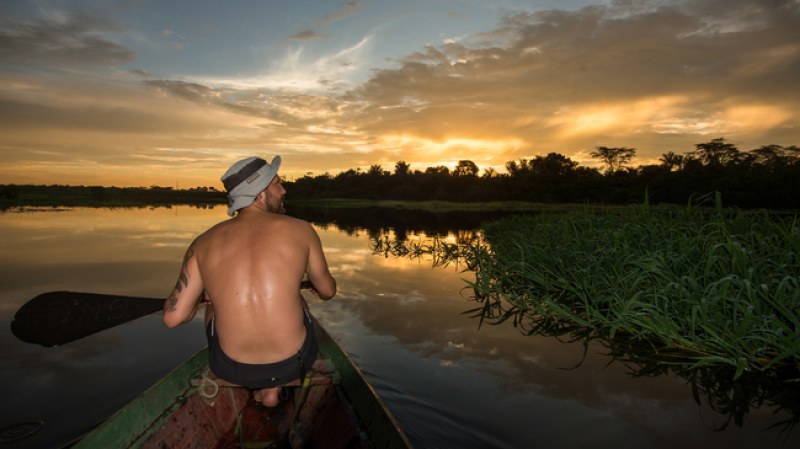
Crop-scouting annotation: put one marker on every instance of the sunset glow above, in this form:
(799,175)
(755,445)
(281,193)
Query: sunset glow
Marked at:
(150,94)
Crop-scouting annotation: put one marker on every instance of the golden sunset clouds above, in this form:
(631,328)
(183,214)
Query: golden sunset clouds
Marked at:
(657,76)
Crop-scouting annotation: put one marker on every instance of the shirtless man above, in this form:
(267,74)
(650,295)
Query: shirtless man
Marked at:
(249,269)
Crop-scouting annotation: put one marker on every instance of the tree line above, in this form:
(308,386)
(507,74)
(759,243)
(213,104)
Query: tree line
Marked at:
(764,177)
(11,194)
(767,176)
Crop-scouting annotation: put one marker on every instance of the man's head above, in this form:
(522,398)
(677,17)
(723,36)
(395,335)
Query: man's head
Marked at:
(246,179)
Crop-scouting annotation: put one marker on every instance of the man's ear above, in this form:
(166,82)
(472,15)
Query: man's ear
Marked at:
(262,197)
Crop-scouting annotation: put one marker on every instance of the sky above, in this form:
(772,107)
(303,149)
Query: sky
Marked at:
(171,93)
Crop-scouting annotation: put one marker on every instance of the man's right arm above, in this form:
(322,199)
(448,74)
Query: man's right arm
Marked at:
(318,272)
(181,305)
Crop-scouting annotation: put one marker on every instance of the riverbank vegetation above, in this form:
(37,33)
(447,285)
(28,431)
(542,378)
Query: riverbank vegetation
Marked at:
(437,206)
(98,196)
(703,286)
(765,177)
(705,293)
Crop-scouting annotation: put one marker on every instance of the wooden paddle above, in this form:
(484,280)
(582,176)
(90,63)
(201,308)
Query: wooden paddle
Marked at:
(55,318)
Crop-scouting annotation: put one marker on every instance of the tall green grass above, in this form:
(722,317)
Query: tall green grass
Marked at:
(710,295)
(707,287)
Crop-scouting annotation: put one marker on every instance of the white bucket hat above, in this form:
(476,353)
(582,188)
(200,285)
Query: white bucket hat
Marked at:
(246,179)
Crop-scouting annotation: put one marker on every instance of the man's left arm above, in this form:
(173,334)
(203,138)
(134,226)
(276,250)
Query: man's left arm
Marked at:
(181,305)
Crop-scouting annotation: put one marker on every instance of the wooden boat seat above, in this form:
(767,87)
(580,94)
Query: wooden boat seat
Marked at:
(323,372)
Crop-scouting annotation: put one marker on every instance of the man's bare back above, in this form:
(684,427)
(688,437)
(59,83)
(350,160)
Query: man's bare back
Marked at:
(249,270)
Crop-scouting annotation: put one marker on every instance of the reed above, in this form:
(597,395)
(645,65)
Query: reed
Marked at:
(687,285)
(710,295)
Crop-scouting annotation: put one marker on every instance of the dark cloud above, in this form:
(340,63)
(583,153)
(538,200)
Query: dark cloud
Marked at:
(188,91)
(308,35)
(700,58)
(141,73)
(75,41)
(345,10)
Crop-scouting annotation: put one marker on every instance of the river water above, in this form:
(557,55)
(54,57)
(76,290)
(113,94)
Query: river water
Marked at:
(450,383)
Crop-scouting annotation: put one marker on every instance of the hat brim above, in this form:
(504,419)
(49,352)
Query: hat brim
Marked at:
(246,192)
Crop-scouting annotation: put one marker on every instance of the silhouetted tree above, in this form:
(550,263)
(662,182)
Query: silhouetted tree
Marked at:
(767,155)
(9,192)
(401,168)
(489,172)
(716,153)
(552,165)
(375,170)
(671,161)
(515,168)
(466,168)
(437,170)
(614,158)
(793,153)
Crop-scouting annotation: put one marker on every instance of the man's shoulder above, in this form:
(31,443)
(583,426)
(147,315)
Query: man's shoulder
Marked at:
(219,227)
(290,221)
(213,230)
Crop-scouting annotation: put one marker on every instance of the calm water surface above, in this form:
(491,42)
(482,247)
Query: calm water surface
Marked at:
(450,384)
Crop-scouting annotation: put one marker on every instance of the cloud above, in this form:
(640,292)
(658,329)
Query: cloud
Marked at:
(328,73)
(308,35)
(65,117)
(657,76)
(566,81)
(345,10)
(61,41)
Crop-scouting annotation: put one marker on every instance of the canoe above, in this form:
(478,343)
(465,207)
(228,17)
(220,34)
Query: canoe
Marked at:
(190,408)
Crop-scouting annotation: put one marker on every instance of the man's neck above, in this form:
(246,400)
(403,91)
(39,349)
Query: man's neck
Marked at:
(252,210)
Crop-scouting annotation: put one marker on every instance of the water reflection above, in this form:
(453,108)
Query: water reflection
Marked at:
(715,387)
(719,388)
(449,383)
(402,222)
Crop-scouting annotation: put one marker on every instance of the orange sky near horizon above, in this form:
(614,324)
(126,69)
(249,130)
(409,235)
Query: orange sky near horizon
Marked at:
(108,100)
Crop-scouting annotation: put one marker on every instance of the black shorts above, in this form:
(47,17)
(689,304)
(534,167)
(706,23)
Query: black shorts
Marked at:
(265,375)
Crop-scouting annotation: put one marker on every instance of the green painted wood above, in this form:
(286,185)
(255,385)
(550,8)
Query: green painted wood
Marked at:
(131,425)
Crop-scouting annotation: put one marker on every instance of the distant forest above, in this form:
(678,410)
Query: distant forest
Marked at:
(62,195)
(765,177)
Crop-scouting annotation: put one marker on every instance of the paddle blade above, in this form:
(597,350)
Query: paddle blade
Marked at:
(55,318)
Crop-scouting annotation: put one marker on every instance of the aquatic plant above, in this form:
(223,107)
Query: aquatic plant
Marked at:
(708,294)
(708,286)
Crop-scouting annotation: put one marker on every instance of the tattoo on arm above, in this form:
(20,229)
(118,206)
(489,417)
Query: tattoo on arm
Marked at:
(172,302)
(183,279)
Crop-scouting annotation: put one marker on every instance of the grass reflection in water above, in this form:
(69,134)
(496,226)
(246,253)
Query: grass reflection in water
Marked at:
(708,294)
